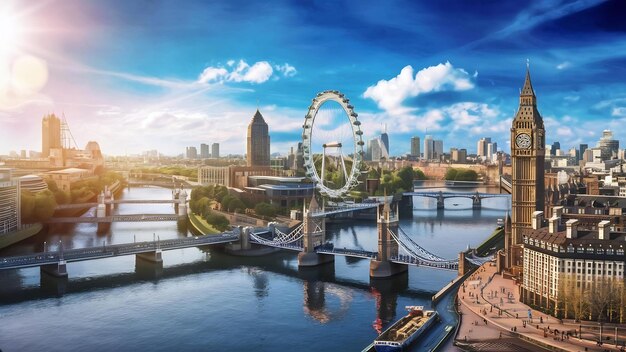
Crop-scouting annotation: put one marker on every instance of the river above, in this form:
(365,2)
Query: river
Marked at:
(206,300)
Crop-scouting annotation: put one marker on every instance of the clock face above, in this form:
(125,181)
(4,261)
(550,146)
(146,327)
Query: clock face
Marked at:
(523,141)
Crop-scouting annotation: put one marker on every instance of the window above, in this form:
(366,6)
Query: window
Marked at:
(590,250)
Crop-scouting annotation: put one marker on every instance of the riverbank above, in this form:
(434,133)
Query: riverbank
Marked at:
(200,225)
(492,315)
(17,236)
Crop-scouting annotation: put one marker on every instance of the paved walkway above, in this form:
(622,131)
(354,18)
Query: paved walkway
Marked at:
(485,291)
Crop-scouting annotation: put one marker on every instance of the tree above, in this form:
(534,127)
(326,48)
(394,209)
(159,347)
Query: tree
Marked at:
(406,176)
(44,205)
(451,174)
(265,209)
(27,208)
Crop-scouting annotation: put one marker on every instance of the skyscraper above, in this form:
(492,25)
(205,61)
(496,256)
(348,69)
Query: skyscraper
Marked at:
(50,134)
(481,147)
(191,153)
(384,138)
(437,149)
(415,147)
(608,145)
(527,160)
(581,151)
(204,151)
(555,146)
(215,150)
(258,152)
(428,147)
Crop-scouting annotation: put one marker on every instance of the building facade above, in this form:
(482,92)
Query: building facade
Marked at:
(561,261)
(527,159)
(50,134)
(10,217)
(204,151)
(258,152)
(214,175)
(215,150)
(415,147)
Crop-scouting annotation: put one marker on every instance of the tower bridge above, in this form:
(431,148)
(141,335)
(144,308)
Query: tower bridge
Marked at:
(441,196)
(396,249)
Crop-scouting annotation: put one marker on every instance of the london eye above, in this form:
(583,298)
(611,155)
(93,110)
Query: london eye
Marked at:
(332,144)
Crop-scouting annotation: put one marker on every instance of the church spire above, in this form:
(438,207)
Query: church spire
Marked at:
(528,87)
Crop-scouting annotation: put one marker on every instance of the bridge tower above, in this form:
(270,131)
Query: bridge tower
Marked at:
(314,235)
(387,247)
(476,201)
(440,200)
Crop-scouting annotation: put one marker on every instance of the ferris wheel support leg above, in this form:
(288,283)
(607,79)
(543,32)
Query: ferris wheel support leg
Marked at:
(384,268)
(323,165)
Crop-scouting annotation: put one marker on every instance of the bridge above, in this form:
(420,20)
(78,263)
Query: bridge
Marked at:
(506,183)
(441,196)
(342,209)
(104,214)
(396,249)
(55,262)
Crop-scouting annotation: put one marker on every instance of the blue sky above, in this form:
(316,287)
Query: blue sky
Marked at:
(139,75)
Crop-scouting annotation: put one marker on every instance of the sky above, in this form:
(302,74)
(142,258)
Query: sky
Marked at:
(140,75)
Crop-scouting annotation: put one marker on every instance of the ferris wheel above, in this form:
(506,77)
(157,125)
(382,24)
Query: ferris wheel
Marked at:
(332,144)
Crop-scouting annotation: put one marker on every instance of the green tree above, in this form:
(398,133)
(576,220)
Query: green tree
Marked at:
(44,205)
(27,207)
(451,174)
(265,209)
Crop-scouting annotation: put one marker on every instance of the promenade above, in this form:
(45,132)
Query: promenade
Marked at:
(494,319)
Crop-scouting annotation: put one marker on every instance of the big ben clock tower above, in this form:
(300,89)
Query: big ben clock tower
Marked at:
(527,159)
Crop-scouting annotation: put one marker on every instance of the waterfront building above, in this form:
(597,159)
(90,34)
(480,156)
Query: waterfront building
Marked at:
(285,192)
(10,216)
(429,147)
(65,177)
(204,151)
(214,175)
(32,183)
(215,150)
(258,151)
(415,147)
(562,261)
(50,134)
(527,159)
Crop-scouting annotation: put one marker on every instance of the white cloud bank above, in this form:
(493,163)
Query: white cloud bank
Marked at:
(257,73)
(390,94)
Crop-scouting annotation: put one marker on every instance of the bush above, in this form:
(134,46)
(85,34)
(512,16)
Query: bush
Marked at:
(265,209)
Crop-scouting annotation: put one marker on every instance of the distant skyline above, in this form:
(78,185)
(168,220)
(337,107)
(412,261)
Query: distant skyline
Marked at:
(142,75)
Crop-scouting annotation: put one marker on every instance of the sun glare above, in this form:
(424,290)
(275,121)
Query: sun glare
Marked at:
(10,31)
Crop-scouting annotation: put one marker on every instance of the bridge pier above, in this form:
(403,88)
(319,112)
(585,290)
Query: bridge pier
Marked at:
(57,270)
(55,285)
(383,267)
(153,257)
(146,268)
(476,201)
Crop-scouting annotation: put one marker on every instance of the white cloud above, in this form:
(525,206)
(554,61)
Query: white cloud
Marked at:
(563,65)
(286,69)
(619,112)
(564,131)
(390,94)
(212,74)
(241,71)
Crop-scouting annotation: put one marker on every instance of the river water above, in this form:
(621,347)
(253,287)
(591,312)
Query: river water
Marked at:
(205,300)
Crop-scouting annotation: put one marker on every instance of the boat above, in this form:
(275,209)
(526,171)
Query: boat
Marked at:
(406,330)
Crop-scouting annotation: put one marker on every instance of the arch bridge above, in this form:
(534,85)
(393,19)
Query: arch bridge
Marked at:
(441,196)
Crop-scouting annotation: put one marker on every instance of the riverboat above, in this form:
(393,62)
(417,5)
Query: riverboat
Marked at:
(406,330)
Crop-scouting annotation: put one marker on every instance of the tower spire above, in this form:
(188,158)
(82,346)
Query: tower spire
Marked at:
(528,87)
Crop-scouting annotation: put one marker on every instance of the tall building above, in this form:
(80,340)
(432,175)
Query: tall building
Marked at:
(215,150)
(415,147)
(481,147)
(527,159)
(384,138)
(429,147)
(492,149)
(204,151)
(377,149)
(191,153)
(555,146)
(437,149)
(258,152)
(581,150)
(608,145)
(50,134)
